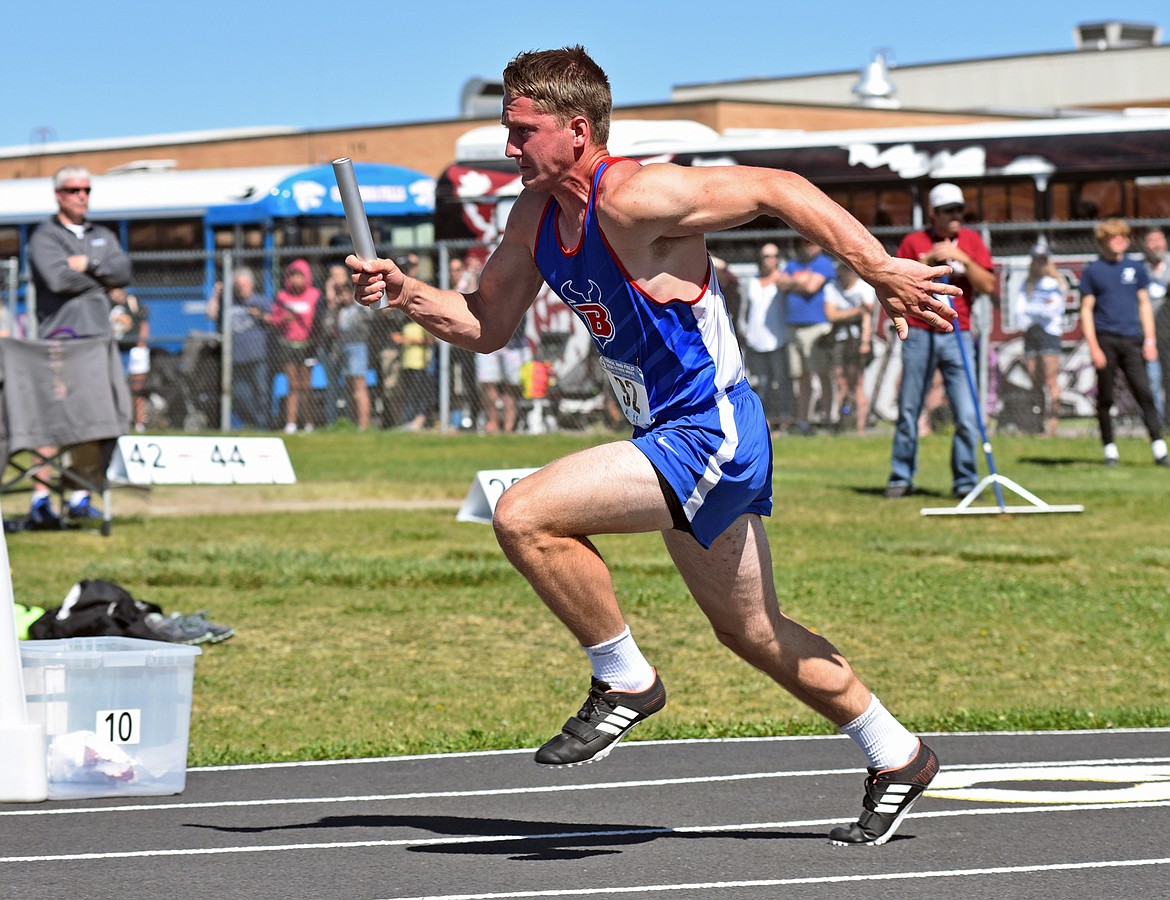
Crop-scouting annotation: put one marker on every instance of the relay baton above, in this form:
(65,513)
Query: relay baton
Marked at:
(355,216)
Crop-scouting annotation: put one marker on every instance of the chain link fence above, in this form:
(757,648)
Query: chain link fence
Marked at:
(347,367)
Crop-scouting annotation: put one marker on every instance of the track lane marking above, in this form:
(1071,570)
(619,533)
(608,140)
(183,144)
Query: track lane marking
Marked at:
(543,789)
(556,836)
(790,882)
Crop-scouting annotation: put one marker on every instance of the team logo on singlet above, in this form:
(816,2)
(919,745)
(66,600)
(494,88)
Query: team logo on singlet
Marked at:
(588,305)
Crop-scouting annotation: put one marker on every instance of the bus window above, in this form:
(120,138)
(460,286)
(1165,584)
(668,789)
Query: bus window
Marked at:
(1023,200)
(1152,197)
(862,204)
(1006,202)
(876,207)
(1060,199)
(9,241)
(239,237)
(894,207)
(165,234)
(1097,199)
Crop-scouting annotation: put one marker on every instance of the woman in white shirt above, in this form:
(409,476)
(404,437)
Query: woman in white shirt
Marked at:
(763,329)
(849,305)
(1039,311)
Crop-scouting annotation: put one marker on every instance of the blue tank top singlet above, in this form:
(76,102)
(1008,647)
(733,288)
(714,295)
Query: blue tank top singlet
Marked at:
(665,358)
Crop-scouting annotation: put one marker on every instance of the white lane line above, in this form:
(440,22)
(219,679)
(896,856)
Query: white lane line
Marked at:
(634,744)
(566,836)
(782,882)
(543,789)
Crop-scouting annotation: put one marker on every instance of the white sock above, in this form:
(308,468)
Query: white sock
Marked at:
(1111,451)
(38,495)
(882,738)
(620,664)
(78,497)
(1159,448)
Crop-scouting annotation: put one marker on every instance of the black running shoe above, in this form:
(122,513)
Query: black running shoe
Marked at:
(605,719)
(889,794)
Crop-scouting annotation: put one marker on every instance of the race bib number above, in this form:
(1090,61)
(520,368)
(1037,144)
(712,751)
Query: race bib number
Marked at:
(629,386)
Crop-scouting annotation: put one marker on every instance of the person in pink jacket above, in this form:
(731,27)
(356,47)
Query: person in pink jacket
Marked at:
(292,318)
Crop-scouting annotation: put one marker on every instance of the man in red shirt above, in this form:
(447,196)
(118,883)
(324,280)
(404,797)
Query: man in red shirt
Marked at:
(943,242)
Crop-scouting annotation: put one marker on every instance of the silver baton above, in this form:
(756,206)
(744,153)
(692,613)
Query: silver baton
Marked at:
(355,216)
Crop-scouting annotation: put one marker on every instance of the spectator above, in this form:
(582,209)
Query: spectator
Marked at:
(943,242)
(337,292)
(417,387)
(849,307)
(354,323)
(763,329)
(804,280)
(400,406)
(74,264)
(130,325)
(292,317)
(250,310)
(1158,269)
(463,276)
(1118,325)
(498,374)
(1039,313)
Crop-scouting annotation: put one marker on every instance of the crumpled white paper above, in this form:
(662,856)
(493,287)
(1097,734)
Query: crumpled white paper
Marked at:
(84,756)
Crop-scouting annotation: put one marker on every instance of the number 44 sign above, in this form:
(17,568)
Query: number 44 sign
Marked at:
(180,459)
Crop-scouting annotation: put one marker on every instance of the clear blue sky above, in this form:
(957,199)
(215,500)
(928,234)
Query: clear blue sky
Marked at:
(77,71)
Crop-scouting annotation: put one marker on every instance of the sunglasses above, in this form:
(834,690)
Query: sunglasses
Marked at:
(74,190)
(955,210)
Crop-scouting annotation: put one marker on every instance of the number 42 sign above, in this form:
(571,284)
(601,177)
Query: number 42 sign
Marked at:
(178,459)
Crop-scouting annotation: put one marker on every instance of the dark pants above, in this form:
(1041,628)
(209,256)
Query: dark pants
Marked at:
(773,384)
(1124,354)
(251,393)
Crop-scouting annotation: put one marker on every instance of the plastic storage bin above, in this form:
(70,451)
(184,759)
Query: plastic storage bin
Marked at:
(117,713)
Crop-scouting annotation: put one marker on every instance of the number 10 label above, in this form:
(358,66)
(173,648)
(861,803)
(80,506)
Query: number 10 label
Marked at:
(119,726)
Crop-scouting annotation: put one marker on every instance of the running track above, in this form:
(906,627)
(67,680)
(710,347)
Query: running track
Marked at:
(1013,815)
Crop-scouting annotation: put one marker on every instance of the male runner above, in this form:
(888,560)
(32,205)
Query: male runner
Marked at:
(622,244)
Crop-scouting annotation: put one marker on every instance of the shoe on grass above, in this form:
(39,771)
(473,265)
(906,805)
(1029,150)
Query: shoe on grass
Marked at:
(41,516)
(606,717)
(175,630)
(83,511)
(889,794)
(198,622)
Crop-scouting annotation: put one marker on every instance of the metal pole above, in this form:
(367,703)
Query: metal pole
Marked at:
(226,301)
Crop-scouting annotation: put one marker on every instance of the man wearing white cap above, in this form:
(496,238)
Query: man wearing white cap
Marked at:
(943,242)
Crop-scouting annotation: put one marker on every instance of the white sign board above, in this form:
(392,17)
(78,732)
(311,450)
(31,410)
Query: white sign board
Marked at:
(179,459)
(485,493)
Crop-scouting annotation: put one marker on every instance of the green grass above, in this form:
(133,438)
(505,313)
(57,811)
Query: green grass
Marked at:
(370,631)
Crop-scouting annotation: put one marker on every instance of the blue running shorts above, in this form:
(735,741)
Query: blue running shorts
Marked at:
(717,461)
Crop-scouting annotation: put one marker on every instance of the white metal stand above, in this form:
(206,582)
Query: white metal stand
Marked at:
(965,505)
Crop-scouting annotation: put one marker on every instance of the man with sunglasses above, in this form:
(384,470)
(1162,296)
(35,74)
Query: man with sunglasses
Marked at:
(944,242)
(74,265)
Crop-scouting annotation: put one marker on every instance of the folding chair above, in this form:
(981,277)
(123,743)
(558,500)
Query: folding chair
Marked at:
(69,394)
